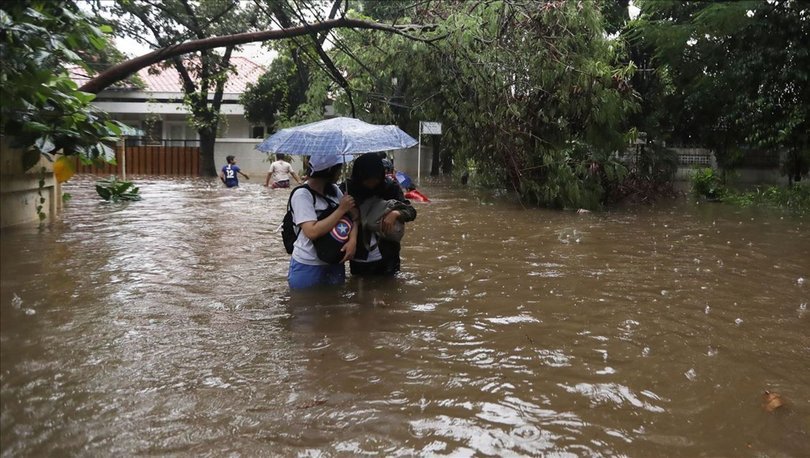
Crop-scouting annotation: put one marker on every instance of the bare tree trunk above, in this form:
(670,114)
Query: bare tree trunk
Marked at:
(208,137)
(436,143)
(447,161)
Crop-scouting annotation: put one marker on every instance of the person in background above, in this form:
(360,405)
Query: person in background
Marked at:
(230,172)
(307,270)
(390,172)
(280,173)
(368,180)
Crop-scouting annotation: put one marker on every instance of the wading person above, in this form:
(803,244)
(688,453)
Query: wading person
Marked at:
(279,174)
(230,172)
(323,219)
(383,212)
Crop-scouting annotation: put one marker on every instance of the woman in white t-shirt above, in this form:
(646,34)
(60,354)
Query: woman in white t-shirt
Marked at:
(279,174)
(306,269)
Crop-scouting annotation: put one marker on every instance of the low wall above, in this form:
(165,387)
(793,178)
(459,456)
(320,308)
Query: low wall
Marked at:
(255,163)
(252,162)
(690,159)
(406,160)
(19,189)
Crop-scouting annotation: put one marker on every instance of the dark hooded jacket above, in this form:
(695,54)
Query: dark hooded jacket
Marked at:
(371,166)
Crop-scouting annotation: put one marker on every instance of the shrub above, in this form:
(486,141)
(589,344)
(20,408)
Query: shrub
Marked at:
(115,190)
(707,183)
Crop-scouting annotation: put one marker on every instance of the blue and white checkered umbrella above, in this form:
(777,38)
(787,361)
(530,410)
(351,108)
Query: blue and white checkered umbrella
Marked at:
(338,136)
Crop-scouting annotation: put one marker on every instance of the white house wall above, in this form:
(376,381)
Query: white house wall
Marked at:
(235,127)
(160,108)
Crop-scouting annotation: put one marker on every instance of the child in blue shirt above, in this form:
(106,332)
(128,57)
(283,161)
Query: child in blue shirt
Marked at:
(229,173)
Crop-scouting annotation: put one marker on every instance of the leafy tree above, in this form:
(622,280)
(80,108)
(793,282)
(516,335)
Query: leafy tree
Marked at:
(42,109)
(277,94)
(736,72)
(203,74)
(531,93)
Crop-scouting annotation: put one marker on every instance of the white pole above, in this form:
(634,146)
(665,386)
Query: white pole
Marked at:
(419,157)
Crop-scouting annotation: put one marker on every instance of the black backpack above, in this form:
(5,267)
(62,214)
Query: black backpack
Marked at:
(327,247)
(289,231)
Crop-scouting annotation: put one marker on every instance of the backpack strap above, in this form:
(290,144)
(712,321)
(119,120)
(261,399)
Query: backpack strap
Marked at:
(329,202)
(289,200)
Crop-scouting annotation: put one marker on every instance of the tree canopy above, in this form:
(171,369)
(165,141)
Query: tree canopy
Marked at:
(531,94)
(43,111)
(736,74)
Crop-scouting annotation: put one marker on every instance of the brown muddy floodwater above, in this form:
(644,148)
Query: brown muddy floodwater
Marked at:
(166,327)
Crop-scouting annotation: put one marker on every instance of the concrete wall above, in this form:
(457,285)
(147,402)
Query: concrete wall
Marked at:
(256,163)
(19,189)
(236,127)
(251,161)
(693,158)
(406,160)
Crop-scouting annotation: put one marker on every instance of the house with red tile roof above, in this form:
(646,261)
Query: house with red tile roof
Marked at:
(157,109)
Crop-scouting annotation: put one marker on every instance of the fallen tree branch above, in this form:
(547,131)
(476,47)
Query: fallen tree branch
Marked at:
(127,68)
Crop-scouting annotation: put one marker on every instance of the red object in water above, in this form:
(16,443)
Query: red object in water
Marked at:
(416,196)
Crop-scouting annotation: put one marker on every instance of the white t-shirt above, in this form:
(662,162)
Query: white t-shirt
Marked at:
(303,211)
(280,171)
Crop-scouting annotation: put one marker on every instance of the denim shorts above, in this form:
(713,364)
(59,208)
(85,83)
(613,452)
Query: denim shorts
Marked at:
(303,276)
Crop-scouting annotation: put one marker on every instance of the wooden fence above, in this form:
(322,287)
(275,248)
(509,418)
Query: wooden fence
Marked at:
(149,160)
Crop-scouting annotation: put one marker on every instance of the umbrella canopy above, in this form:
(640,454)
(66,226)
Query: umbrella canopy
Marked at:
(337,136)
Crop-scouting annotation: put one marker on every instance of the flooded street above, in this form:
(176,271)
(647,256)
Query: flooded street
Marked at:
(166,327)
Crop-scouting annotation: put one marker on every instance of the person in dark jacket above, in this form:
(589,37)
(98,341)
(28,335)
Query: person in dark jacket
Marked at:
(367,181)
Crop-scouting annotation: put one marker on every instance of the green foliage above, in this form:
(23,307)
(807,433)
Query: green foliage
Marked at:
(651,171)
(274,99)
(736,74)
(40,203)
(115,190)
(42,109)
(794,198)
(656,163)
(202,74)
(532,95)
(707,183)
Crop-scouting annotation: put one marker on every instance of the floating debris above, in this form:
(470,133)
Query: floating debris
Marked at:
(771,401)
(691,375)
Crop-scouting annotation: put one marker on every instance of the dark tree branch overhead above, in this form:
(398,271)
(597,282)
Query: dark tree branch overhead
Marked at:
(127,68)
(220,87)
